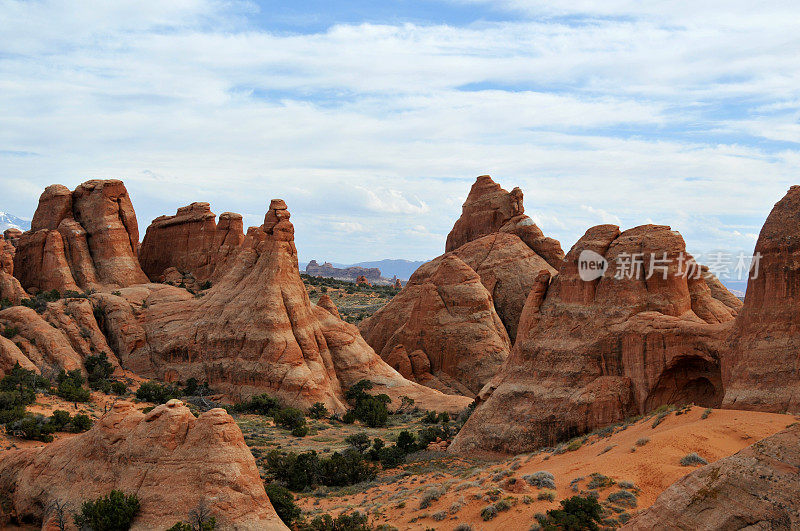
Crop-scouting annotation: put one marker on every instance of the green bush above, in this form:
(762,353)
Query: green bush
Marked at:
(576,513)
(359,441)
(369,409)
(349,417)
(258,405)
(32,426)
(318,411)
(300,431)
(119,388)
(70,386)
(24,382)
(430,418)
(157,393)
(81,423)
(343,522)
(59,419)
(99,369)
(406,441)
(114,512)
(302,471)
(289,418)
(283,502)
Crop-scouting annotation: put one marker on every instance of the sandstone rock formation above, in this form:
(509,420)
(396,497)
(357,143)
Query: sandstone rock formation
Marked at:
(756,488)
(497,241)
(348,273)
(61,337)
(489,209)
(761,371)
(326,303)
(590,353)
(442,330)
(171,460)
(10,288)
(190,241)
(81,240)
(254,331)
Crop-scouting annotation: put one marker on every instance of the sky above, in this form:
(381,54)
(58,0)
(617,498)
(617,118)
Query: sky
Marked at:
(372,119)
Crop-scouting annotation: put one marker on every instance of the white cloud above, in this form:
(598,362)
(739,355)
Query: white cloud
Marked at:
(665,113)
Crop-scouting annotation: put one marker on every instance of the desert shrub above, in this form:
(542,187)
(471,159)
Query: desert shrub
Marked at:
(599,481)
(439,516)
(194,388)
(706,413)
(349,417)
(642,441)
(430,434)
(283,502)
(289,418)
(623,498)
(302,471)
(463,527)
(119,388)
(547,495)
(33,427)
(300,431)
(575,513)
(318,411)
(5,302)
(157,393)
(358,441)
(59,419)
(369,409)
(693,459)
(344,522)
(430,417)
(430,495)
(488,512)
(98,368)
(70,386)
(81,423)
(258,405)
(113,512)
(659,417)
(24,382)
(630,485)
(406,441)
(541,480)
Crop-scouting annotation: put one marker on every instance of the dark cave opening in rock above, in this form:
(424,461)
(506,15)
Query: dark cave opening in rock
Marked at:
(688,381)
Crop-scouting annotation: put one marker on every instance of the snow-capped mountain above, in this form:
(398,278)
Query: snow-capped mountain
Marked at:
(8,221)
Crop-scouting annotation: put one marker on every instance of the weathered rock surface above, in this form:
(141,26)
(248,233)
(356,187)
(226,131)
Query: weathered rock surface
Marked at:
(489,209)
(326,303)
(459,339)
(591,353)
(442,330)
(10,288)
(171,460)
(761,371)
(86,239)
(60,338)
(254,331)
(756,488)
(191,241)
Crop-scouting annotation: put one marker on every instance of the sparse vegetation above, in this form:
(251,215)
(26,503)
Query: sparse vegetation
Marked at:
(541,480)
(113,512)
(642,441)
(693,459)
(623,498)
(157,393)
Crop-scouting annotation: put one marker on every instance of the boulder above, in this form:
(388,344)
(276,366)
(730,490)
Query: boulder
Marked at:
(191,241)
(756,488)
(171,460)
(593,352)
(85,239)
(761,369)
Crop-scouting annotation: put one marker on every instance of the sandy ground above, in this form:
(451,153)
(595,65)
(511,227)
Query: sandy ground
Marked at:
(471,486)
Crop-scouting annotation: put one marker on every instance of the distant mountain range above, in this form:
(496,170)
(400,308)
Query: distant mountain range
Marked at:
(8,221)
(402,269)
